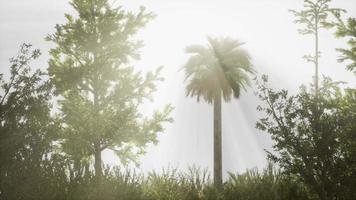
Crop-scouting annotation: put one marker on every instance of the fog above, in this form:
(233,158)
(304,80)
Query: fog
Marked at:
(269,34)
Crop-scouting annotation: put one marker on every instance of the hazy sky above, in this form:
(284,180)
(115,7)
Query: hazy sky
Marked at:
(271,38)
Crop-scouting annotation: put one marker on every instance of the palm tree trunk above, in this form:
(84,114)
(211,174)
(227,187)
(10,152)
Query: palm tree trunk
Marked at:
(217,141)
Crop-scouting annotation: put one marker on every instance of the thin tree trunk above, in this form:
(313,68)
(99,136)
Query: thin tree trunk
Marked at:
(97,164)
(97,147)
(316,58)
(217,141)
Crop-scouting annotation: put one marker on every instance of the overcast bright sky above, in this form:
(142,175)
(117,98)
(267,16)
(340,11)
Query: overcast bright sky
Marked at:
(271,38)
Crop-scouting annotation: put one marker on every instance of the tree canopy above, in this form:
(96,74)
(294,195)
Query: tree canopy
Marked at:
(223,65)
(101,92)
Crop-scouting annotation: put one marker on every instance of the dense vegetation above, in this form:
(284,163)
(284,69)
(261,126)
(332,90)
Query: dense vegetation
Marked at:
(49,152)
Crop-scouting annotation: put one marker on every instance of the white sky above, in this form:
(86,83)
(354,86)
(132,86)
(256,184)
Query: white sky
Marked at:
(271,38)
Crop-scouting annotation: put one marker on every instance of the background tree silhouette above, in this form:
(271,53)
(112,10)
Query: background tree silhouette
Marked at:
(314,17)
(101,93)
(218,70)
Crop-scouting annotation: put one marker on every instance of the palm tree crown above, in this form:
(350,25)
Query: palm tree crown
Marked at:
(221,66)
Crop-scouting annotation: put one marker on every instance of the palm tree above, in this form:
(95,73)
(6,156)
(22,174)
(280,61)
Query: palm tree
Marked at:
(219,69)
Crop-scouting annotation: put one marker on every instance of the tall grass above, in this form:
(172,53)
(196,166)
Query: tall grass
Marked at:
(171,184)
(195,184)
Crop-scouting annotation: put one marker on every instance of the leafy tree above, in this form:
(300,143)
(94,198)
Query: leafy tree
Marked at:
(218,70)
(348,103)
(27,131)
(314,17)
(314,136)
(101,93)
(347,29)
(347,116)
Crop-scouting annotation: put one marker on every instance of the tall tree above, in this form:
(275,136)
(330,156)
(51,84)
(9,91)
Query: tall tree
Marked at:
(217,70)
(314,17)
(101,93)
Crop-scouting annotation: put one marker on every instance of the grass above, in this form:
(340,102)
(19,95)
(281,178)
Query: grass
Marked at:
(52,183)
(195,184)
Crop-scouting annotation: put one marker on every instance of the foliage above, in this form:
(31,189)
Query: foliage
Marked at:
(115,184)
(27,155)
(46,156)
(347,116)
(348,30)
(196,185)
(101,92)
(310,135)
(315,16)
(172,184)
(223,65)
(268,184)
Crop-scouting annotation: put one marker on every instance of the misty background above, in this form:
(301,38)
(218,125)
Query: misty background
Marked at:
(269,34)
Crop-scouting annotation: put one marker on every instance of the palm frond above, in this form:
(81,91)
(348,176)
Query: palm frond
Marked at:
(222,65)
